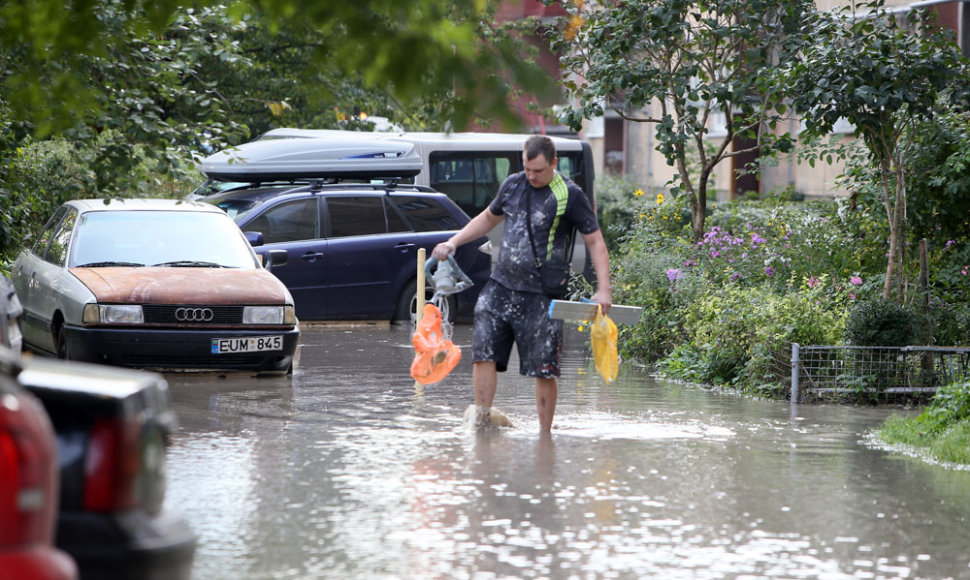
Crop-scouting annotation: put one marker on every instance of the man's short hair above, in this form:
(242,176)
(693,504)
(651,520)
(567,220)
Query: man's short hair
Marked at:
(539,145)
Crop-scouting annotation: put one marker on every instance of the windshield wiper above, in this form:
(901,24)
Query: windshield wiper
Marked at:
(109,264)
(189,264)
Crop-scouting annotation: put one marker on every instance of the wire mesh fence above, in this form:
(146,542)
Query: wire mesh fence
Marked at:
(873,374)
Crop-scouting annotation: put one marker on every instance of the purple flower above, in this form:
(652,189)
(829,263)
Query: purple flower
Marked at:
(855,280)
(674,274)
(812,281)
(948,244)
(769,271)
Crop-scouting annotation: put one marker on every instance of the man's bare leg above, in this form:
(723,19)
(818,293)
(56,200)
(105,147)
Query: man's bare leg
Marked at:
(547,390)
(485,379)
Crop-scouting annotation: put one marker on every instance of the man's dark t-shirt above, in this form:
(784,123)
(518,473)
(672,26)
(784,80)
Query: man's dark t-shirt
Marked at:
(516,267)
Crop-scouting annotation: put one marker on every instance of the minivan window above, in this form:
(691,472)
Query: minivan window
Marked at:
(425,214)
(359,216)
(287,222)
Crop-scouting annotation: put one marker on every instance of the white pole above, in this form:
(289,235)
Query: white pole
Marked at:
(421,283)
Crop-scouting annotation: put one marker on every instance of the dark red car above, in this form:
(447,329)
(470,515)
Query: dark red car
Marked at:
(28,484)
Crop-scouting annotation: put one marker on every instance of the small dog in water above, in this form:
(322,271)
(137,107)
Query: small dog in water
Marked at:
(485,418)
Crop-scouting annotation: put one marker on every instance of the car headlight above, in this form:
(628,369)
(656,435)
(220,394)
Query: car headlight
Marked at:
(265,314)
(113,314)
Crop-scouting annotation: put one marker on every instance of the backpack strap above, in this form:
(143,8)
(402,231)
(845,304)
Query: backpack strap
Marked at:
(561,191)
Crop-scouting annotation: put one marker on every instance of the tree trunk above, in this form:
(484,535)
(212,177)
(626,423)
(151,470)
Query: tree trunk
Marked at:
(896,212)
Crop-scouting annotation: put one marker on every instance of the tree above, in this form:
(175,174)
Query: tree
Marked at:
(881,72)
(408,48)
(676,64)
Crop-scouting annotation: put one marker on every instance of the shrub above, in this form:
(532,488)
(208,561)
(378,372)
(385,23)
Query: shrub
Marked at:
(951,323)
(736,334)
(880,322)
(36,178)
(656,282)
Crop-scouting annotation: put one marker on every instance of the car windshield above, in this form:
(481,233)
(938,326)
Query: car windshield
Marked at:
(236,208)
(159,238)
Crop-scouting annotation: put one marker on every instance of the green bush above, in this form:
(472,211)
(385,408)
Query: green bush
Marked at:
(658,283)
(34,180)
(737,334)
(623,208)
(951,323)
(880,322)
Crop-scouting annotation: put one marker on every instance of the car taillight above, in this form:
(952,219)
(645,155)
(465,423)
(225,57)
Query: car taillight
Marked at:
(124,468)
(28,472)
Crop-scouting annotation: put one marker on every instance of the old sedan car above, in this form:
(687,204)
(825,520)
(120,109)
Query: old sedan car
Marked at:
(160,284)
(28,483)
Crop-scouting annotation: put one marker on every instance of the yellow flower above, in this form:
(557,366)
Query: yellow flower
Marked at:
(660,198)
(638,193)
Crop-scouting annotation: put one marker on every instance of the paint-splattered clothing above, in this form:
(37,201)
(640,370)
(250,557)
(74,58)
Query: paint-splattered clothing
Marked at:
(512,307)
(516,268)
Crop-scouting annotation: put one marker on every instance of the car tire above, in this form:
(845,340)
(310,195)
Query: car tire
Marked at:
(63,352)
(408,301)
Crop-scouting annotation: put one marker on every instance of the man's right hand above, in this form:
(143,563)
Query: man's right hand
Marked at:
(443,250)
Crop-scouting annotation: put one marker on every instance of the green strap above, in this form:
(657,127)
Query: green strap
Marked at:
(559,189)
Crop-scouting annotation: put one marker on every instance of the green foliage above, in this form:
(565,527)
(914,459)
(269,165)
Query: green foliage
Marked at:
(641,278)
(674,64)
(617,207)
(882,72)
(737,332)
(622,207)
(34,180)
(938,185)
(880,322)
(47,48)
(950,322)
(943,428)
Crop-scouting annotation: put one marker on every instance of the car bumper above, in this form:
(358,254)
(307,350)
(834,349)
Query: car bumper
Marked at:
(133,545)
(176,349)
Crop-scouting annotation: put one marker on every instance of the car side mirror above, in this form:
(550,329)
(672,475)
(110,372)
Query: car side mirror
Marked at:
(254,238)
(274,258)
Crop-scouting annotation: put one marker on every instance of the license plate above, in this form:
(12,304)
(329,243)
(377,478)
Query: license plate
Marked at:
(246,344)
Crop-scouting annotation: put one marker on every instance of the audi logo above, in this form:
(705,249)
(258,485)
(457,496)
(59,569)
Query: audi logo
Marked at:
(193,314)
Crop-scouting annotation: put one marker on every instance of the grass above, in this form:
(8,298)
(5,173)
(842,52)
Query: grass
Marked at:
(942,430)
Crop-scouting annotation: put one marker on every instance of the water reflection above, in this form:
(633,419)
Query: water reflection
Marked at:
(348,471)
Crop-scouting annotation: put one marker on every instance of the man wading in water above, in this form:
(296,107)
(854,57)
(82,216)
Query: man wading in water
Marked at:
(513,307)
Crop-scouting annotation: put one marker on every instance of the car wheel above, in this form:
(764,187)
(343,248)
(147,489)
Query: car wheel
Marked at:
(62,349)
(407,305)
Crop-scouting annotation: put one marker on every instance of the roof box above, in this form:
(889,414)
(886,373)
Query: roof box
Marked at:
(284,159)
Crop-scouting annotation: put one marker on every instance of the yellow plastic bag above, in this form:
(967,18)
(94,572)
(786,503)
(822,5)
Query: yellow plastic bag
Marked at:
(434,355)
(604,346)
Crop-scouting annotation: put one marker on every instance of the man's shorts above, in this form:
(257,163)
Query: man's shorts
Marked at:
(504,316)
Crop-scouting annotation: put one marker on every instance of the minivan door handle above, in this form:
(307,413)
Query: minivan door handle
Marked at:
(404,246)
(311,256)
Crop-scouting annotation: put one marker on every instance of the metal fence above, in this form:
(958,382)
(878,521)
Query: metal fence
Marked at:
(856,373)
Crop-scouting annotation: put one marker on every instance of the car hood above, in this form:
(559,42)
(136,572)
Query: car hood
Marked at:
(183,285)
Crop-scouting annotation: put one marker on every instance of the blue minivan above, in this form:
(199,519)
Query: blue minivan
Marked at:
(352,248)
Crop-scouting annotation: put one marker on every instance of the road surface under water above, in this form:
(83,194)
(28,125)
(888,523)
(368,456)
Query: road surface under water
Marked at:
(346,470)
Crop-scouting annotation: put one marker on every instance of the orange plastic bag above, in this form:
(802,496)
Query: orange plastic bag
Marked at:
(605,355)
(434,356)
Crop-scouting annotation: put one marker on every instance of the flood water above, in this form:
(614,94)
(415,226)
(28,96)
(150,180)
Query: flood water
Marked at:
(346,470)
